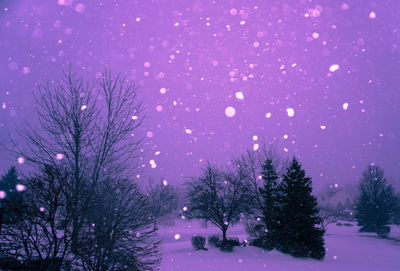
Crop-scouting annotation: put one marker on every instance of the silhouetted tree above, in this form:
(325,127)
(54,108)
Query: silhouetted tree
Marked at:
(219,197)
(118,234)
(252,163)
(270,193)
(376,203)
(41,224)
(162,199)
(297,232)
(89,128)
(8,195)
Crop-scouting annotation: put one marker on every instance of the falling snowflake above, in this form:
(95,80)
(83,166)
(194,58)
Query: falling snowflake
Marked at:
(230,111)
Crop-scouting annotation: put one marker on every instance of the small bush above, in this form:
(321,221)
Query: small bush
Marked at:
(383,232)
(213,240)
(198,242)
(234,241)
(226,246)
(254,228)
(348,224)
(367,229)
(262,242)
(339,224)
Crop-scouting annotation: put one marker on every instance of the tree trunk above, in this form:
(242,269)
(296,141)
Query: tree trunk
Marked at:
(224,234)
(155,223)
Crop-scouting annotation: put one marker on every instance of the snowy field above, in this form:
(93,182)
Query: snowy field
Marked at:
(347,250)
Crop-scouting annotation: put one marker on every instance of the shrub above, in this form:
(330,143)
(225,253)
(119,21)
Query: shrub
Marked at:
(10,263)
(348,224)
(198,242)
(213,240)
(383,232)
(234,241)
(227,246)
(339,224)
(254,228)
(262,242)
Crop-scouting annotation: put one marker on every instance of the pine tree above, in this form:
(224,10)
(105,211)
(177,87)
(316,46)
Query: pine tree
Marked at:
(8,183)
(377,202)
(298,233)
(269,194)
(8,194)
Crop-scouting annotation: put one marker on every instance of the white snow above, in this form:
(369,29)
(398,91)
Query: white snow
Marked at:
(230,111)
(290,112)
(347,249)
(334,68)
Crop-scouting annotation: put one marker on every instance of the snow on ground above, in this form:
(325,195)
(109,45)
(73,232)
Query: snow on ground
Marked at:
(347,250)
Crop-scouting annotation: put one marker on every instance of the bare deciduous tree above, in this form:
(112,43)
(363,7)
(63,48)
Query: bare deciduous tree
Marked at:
(119,233)
(219,197)
(162,198)
(252,162)
(90,127)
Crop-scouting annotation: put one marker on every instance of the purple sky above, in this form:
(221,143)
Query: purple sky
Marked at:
(257,56)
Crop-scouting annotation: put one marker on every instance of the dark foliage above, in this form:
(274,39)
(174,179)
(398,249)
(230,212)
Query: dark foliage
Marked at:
(270,212)
(383,232)
(32,231)
(227,245)
(213,240)
(9,197)
(198,242)
(297,232)
(377,203)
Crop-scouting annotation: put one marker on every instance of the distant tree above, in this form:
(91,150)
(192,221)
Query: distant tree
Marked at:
(348,204)
(118,233)
(297,232)
(377,202)
(219,197)
(270,193)
(162,199)
(328,216)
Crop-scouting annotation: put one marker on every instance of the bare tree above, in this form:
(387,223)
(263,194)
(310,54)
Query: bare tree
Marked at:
(90,127)
(118,234)
(41,224)
(252,164)
(328,216)
(162,198)
(219,197)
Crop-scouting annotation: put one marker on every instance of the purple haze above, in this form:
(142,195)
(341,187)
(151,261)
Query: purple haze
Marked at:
(277,54)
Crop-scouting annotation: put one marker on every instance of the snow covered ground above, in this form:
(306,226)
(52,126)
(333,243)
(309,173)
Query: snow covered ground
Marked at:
(347,250)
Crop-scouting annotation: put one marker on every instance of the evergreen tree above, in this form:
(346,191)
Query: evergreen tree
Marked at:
(377,202)
(8,184)
(269,195)
(298,234)
(8,195)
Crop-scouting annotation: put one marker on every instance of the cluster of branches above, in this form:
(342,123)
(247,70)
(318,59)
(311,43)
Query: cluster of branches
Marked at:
(80,205)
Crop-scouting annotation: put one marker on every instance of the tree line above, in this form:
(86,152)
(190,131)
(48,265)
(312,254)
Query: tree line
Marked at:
(80,209)
(278,201)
